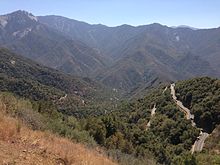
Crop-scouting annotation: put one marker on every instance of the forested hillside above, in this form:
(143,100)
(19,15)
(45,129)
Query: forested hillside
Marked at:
(170,137)
(32,133)
(202,96)
(212,149)
(31,80)
(84,111)
(125,133)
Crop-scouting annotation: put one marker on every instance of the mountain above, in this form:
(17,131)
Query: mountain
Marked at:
(22,33)
(35,99)
(105,39)
(113,41)
(155,55)
(44,89)
(123,57)
(45,99)
(145,53)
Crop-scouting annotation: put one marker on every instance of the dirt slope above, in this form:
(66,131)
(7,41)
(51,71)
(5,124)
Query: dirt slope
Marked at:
(21,146)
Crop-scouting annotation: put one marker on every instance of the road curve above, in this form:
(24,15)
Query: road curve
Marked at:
(200,141)
(180,104)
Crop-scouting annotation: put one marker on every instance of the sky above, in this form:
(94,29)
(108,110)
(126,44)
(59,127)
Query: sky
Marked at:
(195,13)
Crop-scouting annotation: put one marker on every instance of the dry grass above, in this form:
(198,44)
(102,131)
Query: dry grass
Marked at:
(43,146)
(8,127)
(66,150)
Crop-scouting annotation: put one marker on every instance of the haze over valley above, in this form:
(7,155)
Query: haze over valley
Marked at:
(72,92)
(123,57)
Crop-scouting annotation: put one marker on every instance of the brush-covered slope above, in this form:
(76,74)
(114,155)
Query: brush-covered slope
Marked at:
(168,140)
(31,80)
(20,144)
(202,96)
(211,153)
(170,136)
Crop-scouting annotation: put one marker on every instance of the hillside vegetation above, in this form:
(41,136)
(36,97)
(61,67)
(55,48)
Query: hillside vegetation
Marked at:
(44,119)
(211,153)
(202,97)
(28,79)
(170,136)
(21,145)
(168,140)
(38,102)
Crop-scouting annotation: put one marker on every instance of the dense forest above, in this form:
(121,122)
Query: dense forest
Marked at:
(169,138)
(202,96)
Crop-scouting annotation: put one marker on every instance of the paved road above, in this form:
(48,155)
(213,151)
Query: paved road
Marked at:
(173,92)
(199,143)
(180,104)
(153,111)
(165,90)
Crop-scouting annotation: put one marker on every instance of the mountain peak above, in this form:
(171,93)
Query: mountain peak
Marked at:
(20,12)
(18,23)
(23,13)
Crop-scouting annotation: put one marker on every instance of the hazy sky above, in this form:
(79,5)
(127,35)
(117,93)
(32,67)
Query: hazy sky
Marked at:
(196,13)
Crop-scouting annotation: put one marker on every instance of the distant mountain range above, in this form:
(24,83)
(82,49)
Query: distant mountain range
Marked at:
(23,33)
(123,57)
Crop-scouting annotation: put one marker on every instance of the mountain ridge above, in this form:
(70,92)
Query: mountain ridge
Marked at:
(175,42)
(29,37)
(108,54)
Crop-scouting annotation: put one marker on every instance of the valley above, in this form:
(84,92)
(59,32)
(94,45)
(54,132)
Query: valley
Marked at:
(125,57)
(79,93)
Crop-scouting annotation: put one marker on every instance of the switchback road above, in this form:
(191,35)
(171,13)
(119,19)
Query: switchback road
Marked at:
(200,141)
